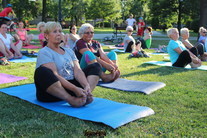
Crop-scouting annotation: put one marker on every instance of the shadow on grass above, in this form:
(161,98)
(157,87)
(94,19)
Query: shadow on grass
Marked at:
(160,70)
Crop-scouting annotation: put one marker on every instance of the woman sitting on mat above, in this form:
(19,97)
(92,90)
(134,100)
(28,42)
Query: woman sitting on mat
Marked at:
(200,47)
(72,37)
(131,46)
(179,55)
(21,34)
(58,75)
(89,51)
(7,47)
(148,36)
(41,37)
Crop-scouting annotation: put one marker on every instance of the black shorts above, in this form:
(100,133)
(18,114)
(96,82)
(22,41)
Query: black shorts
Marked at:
(44,78)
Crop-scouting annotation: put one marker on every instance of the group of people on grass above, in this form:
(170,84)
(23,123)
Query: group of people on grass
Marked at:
(69,66)
(183,52)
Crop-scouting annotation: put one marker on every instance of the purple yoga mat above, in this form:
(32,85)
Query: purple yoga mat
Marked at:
(6,78)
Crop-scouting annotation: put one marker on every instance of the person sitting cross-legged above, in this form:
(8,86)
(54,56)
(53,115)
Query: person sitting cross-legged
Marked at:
(180,56)
(89,51)
(58,75)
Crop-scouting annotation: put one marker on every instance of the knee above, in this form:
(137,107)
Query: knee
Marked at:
(112,55)
(95,69)
(89,56)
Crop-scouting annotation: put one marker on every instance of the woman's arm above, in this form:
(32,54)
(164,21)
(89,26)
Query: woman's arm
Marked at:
(73,37)
(66,84)
(187,44)
(80,77)
(193,57)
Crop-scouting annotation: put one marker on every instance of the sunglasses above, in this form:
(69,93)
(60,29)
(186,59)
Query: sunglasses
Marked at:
(89,33)
(130,31)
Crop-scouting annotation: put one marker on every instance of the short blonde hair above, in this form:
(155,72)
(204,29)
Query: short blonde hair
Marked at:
(170,31)
(184,31)
(85,27)
(40,24)
(129,28)
(201,29)
(49,26)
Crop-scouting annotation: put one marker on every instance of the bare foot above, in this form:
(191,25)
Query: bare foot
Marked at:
(89,99)
(77,101)
(108,77)
(117,75)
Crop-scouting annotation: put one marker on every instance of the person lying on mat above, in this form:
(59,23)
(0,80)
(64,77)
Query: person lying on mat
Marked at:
(199,46)
(21,34)
(131,46)
(8,48)
(58,75)
(72,37)
(180,56)
(89,51)
(41,37)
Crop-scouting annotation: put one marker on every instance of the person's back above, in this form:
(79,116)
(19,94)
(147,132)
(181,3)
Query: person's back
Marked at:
(5,12)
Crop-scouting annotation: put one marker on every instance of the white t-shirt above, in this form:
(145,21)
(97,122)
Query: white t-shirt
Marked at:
(64,63)
(130,22)
(126,38)
(7,40)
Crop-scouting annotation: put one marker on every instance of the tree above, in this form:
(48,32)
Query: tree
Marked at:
(203,13)
(26,10)
(107,10)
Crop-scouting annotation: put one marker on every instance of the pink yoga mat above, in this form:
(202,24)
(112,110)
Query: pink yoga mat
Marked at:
(31,47)
(6,78)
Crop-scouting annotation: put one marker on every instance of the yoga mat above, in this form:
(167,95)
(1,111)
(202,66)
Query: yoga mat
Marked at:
(6,78)
(133,86)
(114,47)
(23,60)
(118,50)
(111,113)
(164,54)
(169,64)
(31,47)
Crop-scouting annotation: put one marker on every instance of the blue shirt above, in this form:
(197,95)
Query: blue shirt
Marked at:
(172,45)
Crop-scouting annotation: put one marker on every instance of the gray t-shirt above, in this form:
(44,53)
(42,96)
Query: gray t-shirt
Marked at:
(64,63)
(126,38)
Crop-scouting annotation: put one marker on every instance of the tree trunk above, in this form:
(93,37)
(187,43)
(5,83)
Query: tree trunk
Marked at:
(44,10)
(203,13)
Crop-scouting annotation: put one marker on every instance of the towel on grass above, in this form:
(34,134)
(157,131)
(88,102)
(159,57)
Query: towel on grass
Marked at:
(6,78)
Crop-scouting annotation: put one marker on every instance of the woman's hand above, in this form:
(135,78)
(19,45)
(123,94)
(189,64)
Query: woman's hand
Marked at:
(110,68)
(87,89)
(80,92)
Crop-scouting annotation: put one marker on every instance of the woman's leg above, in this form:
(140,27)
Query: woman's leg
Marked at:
(183,60)
(87,58)
(130,47)
(49,88)
(194,50)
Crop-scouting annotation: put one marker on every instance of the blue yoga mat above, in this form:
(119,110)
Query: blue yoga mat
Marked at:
(133,86)
(23,59)
(169,64)
(111,113)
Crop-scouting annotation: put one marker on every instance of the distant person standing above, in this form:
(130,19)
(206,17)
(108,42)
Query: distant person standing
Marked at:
(141,25)
(131,21)
(5,12)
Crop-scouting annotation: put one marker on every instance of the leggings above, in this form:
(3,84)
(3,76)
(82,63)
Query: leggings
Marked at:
(88,56)
(184,58)
(44,78)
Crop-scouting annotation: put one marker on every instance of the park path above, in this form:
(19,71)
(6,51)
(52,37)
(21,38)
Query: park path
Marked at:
(155,33)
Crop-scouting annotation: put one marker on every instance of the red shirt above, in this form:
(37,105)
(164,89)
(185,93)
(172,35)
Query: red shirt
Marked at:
(5,12)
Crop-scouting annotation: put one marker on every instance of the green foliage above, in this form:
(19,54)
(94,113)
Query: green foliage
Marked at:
(26,10)
(180,107)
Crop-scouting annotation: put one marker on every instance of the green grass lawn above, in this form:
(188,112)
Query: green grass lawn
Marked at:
(180,107)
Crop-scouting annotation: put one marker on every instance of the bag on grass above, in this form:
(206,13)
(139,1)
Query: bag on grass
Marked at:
(4,61)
